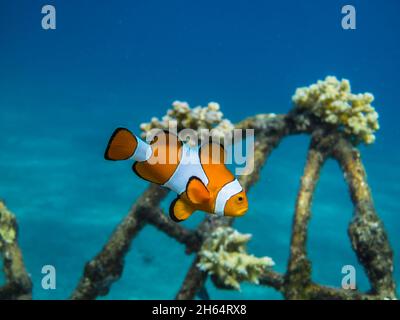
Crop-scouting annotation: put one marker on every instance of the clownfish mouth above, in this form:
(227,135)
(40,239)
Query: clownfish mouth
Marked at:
(241,211)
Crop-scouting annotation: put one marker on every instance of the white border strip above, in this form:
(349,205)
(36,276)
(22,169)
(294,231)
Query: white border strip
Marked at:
(227,192)
(143,151)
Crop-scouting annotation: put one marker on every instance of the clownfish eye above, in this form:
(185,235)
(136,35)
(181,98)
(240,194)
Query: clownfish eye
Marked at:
(240,199)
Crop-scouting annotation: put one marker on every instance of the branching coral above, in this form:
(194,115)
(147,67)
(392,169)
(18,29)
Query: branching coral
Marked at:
(7,226)
(224,256)
(333,102)
(18,283)
(181,116)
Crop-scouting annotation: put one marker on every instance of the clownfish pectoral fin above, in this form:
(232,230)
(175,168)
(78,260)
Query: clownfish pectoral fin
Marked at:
(180,210)
(121,145)
(196,191)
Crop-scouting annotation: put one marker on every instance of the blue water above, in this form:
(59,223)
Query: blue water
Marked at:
(119,63)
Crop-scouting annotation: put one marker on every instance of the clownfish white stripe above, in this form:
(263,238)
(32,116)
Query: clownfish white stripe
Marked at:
(143,151)
(227,192)
(188,167)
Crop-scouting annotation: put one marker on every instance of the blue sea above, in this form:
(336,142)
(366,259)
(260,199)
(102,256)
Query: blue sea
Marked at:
(119,63)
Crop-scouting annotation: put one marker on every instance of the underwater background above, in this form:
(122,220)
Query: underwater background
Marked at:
(119,63)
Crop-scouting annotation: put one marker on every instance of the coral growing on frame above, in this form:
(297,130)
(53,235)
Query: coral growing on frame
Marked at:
(335,119)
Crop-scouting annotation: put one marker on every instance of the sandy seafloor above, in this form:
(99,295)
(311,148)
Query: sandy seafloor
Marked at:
(62,94)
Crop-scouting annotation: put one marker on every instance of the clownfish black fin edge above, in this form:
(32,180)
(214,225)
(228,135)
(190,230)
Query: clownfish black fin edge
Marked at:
(179,210)
(171,211)
(121,145)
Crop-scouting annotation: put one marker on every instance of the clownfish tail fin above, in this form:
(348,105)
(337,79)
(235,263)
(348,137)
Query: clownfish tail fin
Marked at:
(124,145)
(121,145)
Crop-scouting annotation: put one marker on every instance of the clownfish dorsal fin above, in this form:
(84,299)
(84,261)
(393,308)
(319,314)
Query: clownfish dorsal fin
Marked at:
(212,158)
(196,191)
(121,145)
(180,210)
(212,153)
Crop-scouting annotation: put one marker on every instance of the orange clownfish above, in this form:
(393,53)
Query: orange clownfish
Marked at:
(197,174)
